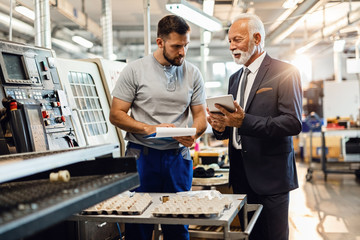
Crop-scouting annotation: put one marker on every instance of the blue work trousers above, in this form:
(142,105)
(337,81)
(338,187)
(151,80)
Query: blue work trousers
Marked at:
(167,171)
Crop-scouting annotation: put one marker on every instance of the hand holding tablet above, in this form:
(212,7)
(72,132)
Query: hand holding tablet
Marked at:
(226,101)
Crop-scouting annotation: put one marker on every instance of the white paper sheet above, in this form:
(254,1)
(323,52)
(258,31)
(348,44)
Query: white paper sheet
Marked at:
(162,132)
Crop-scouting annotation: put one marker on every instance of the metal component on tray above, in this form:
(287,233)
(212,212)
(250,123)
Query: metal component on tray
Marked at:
(120,204)
(60,176)
(185,206)
(165,199)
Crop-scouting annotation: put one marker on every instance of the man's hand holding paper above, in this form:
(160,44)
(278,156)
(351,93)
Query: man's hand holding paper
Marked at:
(186,136)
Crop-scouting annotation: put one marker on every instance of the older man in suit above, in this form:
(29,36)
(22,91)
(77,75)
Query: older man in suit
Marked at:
(268,113)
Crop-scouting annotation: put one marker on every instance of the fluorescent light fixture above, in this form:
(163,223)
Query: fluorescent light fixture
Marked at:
(194,15)
(82,41)
(72,48)
(26,12)
(290,3)
(18,25)
(307,46)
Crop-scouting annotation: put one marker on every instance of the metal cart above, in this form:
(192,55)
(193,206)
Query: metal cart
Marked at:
(224,220)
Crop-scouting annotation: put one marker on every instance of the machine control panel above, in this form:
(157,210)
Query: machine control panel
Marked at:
(28,76)
(48,101)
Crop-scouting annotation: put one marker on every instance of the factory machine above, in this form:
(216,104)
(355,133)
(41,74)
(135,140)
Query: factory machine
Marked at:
(110,71)
(54,122)
(33,117)
(88,86)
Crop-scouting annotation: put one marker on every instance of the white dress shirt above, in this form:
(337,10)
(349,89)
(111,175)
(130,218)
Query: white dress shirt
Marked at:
(254,68)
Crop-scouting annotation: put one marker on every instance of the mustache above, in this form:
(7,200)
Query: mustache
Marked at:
(237,52)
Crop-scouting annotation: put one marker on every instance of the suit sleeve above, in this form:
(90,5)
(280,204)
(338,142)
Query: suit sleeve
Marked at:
(222,135)
(287,118)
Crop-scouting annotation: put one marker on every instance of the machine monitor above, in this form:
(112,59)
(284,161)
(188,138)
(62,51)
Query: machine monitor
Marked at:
(14,66)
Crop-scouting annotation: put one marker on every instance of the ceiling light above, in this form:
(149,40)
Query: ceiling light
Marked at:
(82,41)
(17,25)
(307,46)
(72,48)
(26,12)
(194,15)
(290,3)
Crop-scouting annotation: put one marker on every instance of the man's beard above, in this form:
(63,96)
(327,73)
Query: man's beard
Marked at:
(244,56)
(177,61)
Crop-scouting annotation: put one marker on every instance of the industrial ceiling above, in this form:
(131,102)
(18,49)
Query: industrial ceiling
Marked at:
(311,25)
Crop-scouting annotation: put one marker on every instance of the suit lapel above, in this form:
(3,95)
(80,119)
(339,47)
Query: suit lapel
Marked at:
(234,83)
(264,67)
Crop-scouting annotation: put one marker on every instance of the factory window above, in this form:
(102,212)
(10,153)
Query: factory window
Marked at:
(88,103)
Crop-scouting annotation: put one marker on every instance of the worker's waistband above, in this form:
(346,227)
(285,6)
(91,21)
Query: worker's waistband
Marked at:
(146,149)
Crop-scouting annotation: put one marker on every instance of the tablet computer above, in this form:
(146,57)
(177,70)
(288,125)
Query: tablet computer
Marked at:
(227,101)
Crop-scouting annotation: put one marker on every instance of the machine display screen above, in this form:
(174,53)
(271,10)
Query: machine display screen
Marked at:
(14,66)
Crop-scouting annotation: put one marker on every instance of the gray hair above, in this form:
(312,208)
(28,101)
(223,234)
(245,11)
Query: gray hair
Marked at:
(255,25)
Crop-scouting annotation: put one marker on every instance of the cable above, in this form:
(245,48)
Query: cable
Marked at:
(118,226)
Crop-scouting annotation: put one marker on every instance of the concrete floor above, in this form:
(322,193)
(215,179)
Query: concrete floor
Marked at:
(325,210)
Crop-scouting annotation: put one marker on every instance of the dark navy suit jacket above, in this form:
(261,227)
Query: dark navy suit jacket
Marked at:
(272,116)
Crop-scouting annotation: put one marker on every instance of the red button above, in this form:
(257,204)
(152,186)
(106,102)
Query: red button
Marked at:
(63,119)
(45,114)
(13,106)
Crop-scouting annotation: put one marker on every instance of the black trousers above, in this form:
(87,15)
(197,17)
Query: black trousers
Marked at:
(273,222)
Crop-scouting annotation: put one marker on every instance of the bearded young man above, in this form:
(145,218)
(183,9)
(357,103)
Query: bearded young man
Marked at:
(160,90)
(261,153)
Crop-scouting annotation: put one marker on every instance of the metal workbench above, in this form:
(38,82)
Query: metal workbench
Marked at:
(340,167)
(224,220)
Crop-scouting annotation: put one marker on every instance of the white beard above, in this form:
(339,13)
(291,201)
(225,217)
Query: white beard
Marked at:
(245,56)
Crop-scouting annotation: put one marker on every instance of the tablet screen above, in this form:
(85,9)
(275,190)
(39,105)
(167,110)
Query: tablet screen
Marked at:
(227,101)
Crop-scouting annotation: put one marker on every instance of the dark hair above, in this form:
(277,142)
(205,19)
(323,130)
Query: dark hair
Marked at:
(172,23)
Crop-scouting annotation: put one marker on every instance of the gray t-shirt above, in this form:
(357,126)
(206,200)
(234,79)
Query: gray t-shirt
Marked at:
(159,94)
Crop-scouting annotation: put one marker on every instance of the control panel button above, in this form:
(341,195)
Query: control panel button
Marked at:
(60,119)
(44,67)
(51,62)
(45,114)
(47,122)
(47,76)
